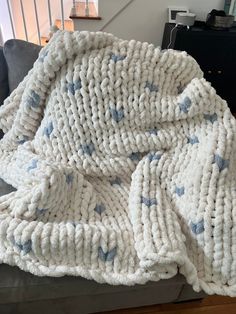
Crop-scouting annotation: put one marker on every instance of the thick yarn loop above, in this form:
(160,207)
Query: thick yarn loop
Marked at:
(123,159)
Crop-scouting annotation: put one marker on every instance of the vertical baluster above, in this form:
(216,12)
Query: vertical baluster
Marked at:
(24,22)
(49,13)
(87,8)
(62,15)
(11,20)
(37,21)
(73,9)
(1,37)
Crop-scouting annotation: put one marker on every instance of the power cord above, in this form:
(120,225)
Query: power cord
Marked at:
(171,34)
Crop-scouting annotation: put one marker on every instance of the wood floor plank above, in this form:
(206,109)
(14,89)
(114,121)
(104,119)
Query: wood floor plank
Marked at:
(217,309)
(209,305)
(217,299)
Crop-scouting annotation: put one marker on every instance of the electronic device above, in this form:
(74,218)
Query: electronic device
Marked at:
(185,19)
(172,12)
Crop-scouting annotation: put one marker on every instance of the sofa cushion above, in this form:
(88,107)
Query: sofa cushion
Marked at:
(19,286)
(4,91)
(20,57)
(5,188)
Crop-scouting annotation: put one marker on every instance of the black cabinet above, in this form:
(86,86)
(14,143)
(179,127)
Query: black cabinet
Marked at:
(214,50)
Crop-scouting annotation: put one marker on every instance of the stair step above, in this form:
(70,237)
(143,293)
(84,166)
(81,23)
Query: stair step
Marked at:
(69,26)
(44,40)
(86,17)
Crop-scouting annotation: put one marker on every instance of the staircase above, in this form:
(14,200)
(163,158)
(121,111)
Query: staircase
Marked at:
(80,10)
(25,22)
(31,20)
(79,13)
(68,24)
(109,10)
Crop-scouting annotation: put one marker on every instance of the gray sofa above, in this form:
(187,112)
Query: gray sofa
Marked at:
(22,292)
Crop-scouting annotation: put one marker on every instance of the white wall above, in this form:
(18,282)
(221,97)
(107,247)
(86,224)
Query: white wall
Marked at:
(5,21)
(144,19)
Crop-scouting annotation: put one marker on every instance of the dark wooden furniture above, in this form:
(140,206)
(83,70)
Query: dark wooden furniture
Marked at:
(214,50)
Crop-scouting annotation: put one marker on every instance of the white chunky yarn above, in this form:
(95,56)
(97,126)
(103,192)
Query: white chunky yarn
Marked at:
(123,160)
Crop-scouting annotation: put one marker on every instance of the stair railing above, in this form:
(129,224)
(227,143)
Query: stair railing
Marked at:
(22,11)
(11,20)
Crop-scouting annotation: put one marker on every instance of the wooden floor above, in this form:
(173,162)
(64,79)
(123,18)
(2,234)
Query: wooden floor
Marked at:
(209,305)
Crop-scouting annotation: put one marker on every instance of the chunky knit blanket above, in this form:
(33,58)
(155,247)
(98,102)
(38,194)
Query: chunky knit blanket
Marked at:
(123,158)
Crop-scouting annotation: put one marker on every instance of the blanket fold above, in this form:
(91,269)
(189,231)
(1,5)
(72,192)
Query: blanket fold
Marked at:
(123,159)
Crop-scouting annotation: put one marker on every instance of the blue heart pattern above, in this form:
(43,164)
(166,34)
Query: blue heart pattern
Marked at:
(211,117)
(180,191)
(135,156)
(25,247)
(33,165)
(152,87)
(41,211)
(221,163)
(193,140)
(33,99)
(99,208)
(73,87)
(185,104)
(153,131)
(116,181)
(48,129)
(69,178)
(88,149)
(198,227)
(107,256)
(153,157)
(117,58)
(117,115)
(148,201)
